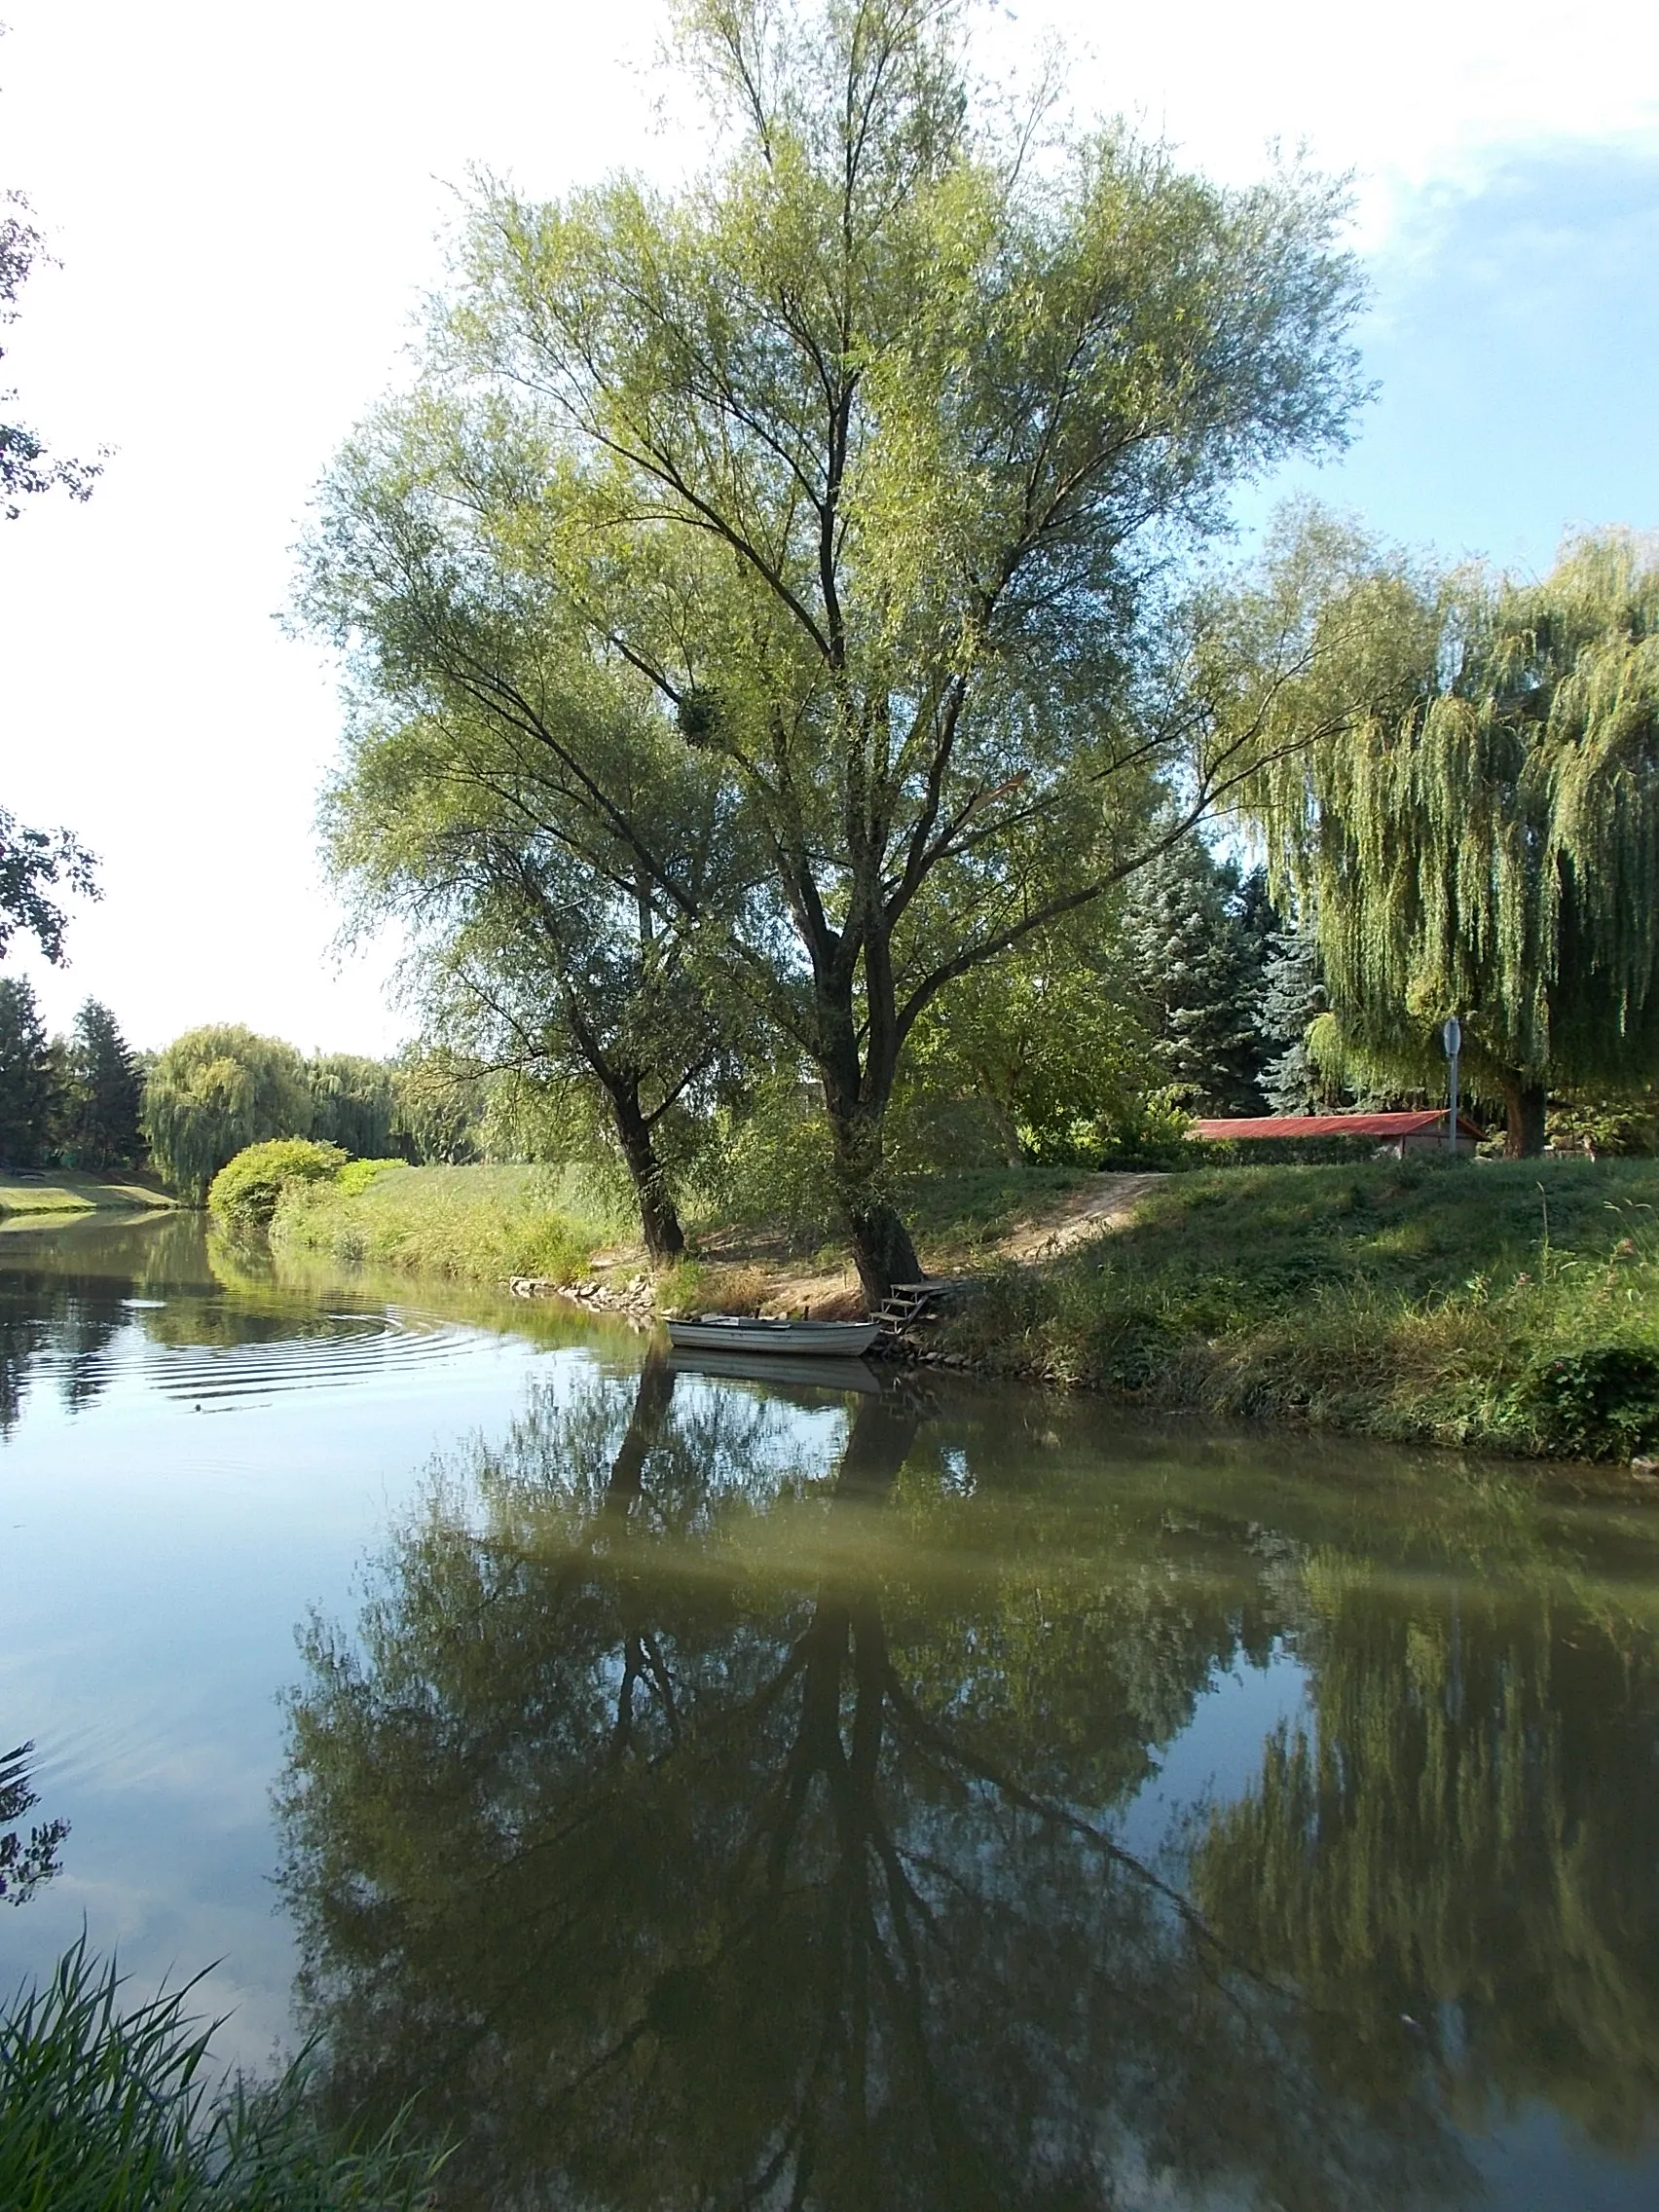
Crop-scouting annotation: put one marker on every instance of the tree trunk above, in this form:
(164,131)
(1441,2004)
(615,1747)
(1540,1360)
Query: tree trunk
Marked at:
(858,1084)
(882,1250)
(665,1239)
(1524,1106)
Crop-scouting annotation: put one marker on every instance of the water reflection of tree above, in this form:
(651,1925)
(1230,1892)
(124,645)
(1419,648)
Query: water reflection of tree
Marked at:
(27,1860)
(676,1860)
(1464,1839)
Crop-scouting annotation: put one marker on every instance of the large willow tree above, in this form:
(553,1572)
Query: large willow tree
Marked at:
(864,450)
(1484,839)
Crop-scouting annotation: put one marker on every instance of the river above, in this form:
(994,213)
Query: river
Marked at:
(701,1790)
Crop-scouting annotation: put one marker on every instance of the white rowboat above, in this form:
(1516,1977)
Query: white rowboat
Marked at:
(743,1332)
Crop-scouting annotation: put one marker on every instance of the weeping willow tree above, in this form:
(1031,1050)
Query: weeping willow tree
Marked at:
(1483,839)
(216,1090)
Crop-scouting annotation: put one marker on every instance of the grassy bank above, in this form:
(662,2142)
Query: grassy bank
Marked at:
(1509,1307)
(474,1224)
(106,2106)
(64,1191)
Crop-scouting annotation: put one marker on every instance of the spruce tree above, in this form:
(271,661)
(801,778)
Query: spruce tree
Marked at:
(104,1093)
(1197,938)
(1293,998)
(28,1078)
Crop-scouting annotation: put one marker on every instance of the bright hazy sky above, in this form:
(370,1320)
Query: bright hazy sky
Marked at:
(245,201)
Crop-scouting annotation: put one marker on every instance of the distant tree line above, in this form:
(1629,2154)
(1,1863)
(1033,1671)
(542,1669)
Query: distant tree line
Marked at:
(88,1101)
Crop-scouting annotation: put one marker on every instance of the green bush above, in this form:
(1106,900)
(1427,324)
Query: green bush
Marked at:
(1601,1403)
(246,1190)
(106,2109)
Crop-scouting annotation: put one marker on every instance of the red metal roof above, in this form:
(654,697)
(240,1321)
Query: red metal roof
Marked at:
(1378,1125)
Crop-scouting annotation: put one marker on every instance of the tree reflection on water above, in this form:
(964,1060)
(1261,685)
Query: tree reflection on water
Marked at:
(691,1822)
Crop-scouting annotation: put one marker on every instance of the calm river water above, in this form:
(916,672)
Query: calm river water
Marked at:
(703,1791)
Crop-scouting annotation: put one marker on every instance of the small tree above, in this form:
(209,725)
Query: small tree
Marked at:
(216,1090)
(30,1078)
(102,1095)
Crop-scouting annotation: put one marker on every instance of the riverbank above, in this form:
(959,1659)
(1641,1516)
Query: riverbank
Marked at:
(1507,1307)
(59,1191)
(480,1225)
(1511,1306)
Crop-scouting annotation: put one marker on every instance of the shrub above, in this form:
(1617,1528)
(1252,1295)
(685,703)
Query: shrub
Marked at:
(1602,1402)
(248,1189)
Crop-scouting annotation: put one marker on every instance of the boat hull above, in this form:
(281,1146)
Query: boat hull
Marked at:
(838,1340)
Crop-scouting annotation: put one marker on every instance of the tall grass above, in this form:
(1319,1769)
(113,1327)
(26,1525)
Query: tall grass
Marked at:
(1508,1306)
(475,1223)
(106,2108)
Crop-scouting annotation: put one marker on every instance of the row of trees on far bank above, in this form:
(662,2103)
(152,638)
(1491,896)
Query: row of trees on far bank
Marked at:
(88,1101)
(780,655)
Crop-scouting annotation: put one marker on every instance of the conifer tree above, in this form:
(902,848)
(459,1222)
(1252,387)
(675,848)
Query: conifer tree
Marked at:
(1293,998)
(28,1078)
(103,1092)
(1197,939)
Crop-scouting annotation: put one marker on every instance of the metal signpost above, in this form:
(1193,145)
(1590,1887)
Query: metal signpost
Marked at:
(1452,1037)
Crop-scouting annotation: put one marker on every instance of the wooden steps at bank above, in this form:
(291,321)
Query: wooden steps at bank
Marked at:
(908,1302)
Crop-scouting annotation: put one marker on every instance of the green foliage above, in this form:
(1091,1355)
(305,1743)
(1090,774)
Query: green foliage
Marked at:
(1196,940)
(1417,1298)
(33,864)
(30,1078)
(25,466)
(353,1102)
(103,1093)
(476,1224)
(1037,1056)
(247,1189)
(108,2108)
(833,492)
(1608,1126)
(1483,838)
(212,1092)
(1600,1403)
(441,1101)
(358,1174)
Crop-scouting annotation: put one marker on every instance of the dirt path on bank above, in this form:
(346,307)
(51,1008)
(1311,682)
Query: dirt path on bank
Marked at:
(1099,1205)
(1103,1203)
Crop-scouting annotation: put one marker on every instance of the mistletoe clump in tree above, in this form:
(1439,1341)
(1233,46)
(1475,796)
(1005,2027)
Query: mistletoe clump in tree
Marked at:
(866,452)
(1484,839)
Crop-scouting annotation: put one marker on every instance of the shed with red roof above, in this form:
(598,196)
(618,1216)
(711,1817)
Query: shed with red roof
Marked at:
(1423,1131)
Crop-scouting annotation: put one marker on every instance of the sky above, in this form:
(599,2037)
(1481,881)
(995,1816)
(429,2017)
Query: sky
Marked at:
(247,207)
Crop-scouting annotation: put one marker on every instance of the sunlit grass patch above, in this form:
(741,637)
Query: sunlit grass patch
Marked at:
(1513,1306)
(475,1223)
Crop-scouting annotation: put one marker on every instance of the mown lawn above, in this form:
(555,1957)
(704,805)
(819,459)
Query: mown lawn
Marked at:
(63,1190)
(1513,1306)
